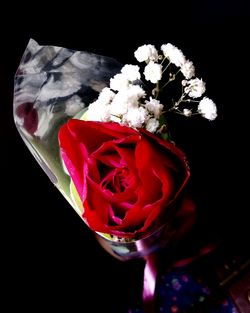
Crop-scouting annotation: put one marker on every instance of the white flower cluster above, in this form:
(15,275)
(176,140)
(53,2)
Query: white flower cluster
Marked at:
(125,101)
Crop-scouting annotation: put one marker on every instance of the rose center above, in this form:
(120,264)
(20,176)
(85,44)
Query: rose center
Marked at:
(117,180)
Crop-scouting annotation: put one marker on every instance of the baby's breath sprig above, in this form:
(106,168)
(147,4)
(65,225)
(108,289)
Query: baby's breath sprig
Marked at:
(132,101)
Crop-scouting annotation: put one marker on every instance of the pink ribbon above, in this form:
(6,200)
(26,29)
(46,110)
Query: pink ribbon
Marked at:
(186,216)
(149,283)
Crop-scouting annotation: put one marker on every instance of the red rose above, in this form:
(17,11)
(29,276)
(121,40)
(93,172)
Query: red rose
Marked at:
(126,179)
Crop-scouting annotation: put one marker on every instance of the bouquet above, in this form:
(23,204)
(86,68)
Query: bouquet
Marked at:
(116,162)
(100,131)
(126,175)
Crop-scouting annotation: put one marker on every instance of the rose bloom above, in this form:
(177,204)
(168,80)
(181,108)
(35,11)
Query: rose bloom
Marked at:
(129,181)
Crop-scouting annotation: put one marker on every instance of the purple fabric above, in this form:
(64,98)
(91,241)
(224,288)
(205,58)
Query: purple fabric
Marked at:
(181,291)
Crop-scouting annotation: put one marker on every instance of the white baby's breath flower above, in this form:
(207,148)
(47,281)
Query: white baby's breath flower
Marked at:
(188,69)
(153,72)
(119,105)
(106,95)
(124,102)
(97,111)
(131,72)
(135,92)
(173,54)
(154,106)
(146,53)
(207,108)
(152,125)
(195,88)
(135,117)
(119,82)
(125,99)
(187,112)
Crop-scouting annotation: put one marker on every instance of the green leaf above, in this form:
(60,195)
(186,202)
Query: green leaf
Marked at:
(165,136)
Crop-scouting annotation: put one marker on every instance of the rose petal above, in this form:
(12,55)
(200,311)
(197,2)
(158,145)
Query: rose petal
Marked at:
(172,150)
(77,167)
(93,134)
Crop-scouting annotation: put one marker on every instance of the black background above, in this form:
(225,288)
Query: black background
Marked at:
(51,260)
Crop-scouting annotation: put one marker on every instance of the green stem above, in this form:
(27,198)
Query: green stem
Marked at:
(189,100)
(166,67)
(171,79)
(163,61)
(157,90)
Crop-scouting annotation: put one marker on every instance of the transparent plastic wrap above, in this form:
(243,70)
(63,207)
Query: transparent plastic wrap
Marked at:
(53,85)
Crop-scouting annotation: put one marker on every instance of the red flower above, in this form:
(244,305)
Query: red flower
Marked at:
(127,180)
